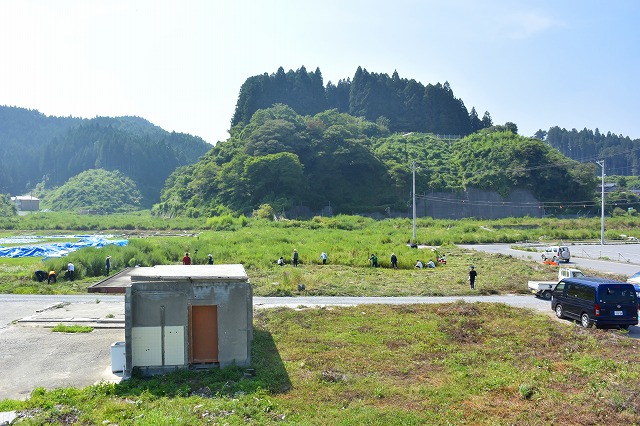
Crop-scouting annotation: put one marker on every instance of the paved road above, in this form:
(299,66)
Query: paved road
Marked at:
(32,356)
(623,259)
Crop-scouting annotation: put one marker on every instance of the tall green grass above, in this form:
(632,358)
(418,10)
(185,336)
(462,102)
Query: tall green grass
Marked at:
(66,221)
(348,240)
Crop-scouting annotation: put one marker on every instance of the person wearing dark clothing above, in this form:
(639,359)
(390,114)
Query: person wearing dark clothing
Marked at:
(186,260)
(41,276)
(374,260)
(472,277)
(107,264)
(394,261)
(52,277)
(295,257)
(210,259)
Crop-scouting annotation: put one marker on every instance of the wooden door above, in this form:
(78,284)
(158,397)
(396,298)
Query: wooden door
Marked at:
(203,334)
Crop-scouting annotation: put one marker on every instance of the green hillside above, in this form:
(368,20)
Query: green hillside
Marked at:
(354,166)
(96,190)
(38,149)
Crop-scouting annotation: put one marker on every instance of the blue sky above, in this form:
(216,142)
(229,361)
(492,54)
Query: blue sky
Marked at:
(180,64)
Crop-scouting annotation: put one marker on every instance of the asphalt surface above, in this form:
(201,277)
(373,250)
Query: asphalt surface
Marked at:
(619,258)
(33,356)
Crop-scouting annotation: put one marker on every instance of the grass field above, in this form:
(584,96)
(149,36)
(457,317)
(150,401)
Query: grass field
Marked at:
(349,241)
(440,364)
(457,363)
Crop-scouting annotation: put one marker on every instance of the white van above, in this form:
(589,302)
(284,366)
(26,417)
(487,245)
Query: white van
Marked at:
(556,253)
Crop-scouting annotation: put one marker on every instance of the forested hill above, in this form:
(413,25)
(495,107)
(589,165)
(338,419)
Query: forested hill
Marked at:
(400,104)
(39,149)
(287,160)
(621,154)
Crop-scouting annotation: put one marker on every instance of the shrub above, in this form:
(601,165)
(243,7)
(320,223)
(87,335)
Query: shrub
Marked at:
(265,211)
(221,223)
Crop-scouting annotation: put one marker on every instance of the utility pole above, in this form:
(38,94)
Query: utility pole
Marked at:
(413,192)
(601,164)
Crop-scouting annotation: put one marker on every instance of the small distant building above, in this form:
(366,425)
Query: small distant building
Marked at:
(26,203)
(608,187)
(187,316)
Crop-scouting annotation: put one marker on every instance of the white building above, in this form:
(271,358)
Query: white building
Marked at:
(26,203)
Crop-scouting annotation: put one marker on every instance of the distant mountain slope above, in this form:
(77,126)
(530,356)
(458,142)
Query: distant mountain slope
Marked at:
(37,148)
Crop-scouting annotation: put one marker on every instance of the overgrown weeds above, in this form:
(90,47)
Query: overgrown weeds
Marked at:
(348,240)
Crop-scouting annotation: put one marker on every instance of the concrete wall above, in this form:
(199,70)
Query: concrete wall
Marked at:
(451,205)
(26,203)
(157,316)
(479,204)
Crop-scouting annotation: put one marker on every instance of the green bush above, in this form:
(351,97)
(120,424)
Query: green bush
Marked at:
(265,211)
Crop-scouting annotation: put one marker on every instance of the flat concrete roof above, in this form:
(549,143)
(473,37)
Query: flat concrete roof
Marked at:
(234,272)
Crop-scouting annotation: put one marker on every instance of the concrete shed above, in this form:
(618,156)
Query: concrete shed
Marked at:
(188,316)
(26,203)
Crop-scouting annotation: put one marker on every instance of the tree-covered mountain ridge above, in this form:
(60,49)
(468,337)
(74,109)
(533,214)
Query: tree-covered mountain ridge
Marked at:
(401,104)
(36,149)
(352,165)
(406,105)
(621,153)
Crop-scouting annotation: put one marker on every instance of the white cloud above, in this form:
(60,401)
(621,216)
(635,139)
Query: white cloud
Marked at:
(523,25)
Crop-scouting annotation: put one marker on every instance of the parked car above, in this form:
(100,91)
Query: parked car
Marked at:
(544,288)
(634,279)
(556,253)
(596,301)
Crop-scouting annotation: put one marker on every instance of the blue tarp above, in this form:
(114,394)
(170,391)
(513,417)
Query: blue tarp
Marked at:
(59,249)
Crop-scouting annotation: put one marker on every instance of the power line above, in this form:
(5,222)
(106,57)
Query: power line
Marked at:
(523,204)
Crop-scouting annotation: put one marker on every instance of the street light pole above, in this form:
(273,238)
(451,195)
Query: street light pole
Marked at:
(406,153)
(601,164)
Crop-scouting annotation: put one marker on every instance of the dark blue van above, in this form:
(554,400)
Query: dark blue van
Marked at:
(596,301)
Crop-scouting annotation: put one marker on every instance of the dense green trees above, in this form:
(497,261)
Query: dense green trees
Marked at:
(500,161)
(403,105)
(301,90)
(621,154)
(7,208)
(287,161)
(147,161)
(36,149)
(96,190)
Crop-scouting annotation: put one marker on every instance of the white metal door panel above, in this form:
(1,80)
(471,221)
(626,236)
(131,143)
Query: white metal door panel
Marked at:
(146,346)
(174,345)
